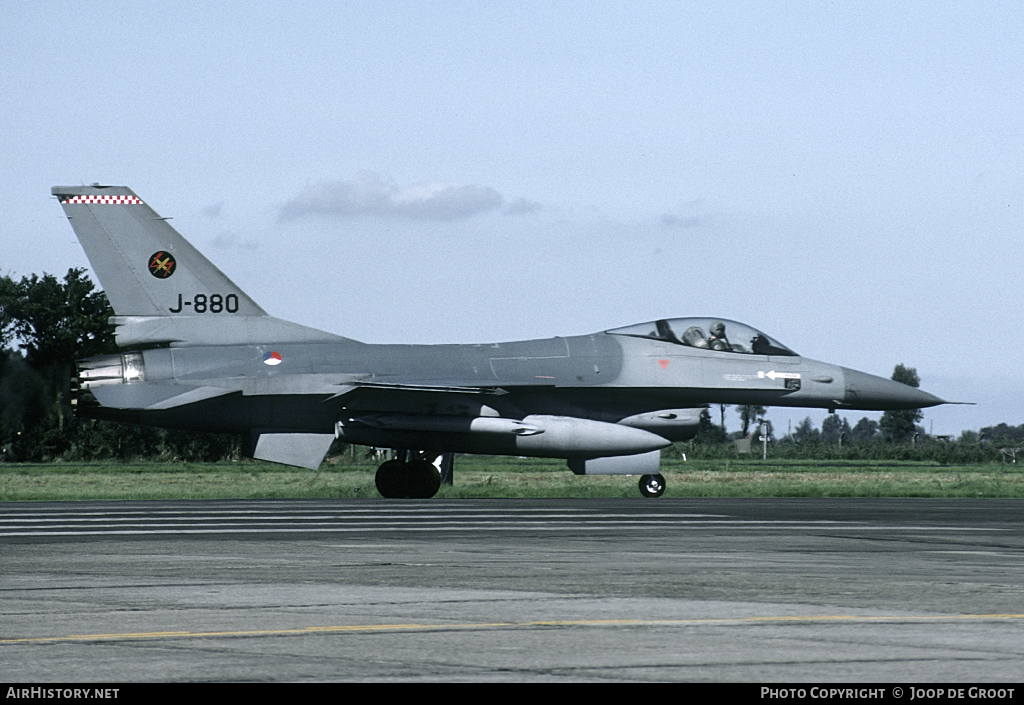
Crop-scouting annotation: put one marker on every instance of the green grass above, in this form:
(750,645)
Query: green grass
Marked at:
(482,476)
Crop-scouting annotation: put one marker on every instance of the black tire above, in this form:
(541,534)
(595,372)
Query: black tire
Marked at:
(652,485)
(423,480)
(390,479)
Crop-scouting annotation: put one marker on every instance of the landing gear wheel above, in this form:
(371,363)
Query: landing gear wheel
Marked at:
(415,479)
(422,480)
(652,485)
(390,479)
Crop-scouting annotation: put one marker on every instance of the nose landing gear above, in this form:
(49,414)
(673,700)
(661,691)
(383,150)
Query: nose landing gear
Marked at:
(652,485)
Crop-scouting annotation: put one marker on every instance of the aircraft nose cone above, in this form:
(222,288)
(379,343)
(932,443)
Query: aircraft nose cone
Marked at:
(871,393)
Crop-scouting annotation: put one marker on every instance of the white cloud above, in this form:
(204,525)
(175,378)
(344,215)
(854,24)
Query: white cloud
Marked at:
(521,206)
(371,194)
(213,211)
(229,240)
(669,220)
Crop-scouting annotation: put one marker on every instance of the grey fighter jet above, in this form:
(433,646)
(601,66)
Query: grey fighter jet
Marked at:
(202,355)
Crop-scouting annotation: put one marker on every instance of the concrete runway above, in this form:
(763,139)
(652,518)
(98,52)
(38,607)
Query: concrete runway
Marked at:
(815,591)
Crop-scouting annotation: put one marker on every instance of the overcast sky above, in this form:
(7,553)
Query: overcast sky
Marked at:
(847,177)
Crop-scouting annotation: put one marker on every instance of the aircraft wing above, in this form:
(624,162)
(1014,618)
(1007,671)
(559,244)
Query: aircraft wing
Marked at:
(153,397)
(434,388)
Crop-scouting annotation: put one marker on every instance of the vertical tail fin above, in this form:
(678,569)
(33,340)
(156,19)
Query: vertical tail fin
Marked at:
(162,289)
(141,261)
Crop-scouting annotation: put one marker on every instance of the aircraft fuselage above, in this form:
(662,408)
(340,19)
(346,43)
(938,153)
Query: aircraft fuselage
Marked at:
(384,394)
(208,358)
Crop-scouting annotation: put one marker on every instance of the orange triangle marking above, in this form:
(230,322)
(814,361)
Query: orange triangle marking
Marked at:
(664,364)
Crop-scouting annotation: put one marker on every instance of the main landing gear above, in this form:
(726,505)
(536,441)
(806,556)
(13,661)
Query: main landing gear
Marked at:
(652,485)
(411,476)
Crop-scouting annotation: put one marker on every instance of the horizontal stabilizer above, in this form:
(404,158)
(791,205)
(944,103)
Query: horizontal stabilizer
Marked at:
(154,396)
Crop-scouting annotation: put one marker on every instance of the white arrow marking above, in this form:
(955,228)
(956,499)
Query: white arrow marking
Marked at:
(773,375)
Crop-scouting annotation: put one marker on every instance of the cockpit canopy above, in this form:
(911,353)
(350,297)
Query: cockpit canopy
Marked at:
(708,334)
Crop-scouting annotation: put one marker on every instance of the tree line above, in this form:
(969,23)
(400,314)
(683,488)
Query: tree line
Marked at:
(46,324)
(894,427)
(897,435)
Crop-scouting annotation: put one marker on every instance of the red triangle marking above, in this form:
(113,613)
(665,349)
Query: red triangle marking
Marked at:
(664,364)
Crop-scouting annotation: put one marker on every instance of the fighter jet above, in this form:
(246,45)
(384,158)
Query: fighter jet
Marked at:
(201,355)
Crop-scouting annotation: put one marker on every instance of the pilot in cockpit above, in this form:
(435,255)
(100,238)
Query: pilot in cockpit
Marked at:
(717,339)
